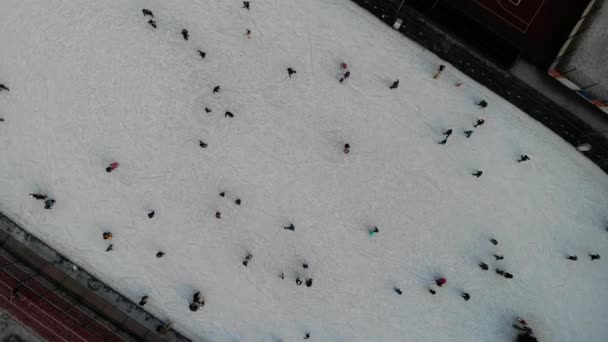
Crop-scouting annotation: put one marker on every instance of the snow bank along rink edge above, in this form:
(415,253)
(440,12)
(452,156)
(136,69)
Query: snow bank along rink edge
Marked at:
(92,83)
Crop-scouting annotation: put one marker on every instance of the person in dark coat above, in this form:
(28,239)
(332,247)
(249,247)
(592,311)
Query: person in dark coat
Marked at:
(433,292)
(160,254)
(307,336)
(439,71)
(305,266)
(147,12)
(218,215)
(237,201)
(346,148)
(468,133)
(395,84)
(110,248)
(482,104)
(447,135)
(290,72)
(477,173)
(398,290)
(247,259)
(222,194)
(282,275)
(479,122)
(185,34)
(38,196)
(143,301)
(483,266)
(572,257)
(309,282)
(493,241)
(522,158)
(501,272)
(3,88)
(374,231)
(228,115)
(152,23)
(290,227)
(49,203)
(594,256)
(345,76)
(216,89)
(465,296)
(202,144)
(298,281)
(207,110)
(246,5)
(498,257)
(202,54)
(151,214)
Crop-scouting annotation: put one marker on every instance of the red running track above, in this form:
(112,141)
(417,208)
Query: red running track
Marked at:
(52,316)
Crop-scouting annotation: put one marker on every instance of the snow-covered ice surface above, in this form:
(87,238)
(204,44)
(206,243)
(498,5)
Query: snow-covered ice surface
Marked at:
(91,82)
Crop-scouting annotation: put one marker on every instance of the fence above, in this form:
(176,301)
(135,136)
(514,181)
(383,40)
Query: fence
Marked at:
(417,27)
(61,302)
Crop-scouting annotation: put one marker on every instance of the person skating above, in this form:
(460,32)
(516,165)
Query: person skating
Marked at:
(202,54)
(237,201)
(207,110)
(197,302)
(346,148)
(147,12)
(38,196)
(493,241)
(247,259)
(345,76)
(152,23)
(151,214)
(143,301)
(290,227)
(113,166)
(218,215)
(248,34)
(441,68)
(479,122)
(246,5)
(110,248)
(164,329)
(398,290)
(478,173)
(160,254)
(483,266)
(216,89)
(298,281)
(440,281)
(282,275)
(49,203)
(309,282)
(447,135)
(465,296)
(468,133)
(202,144)
(433,292)
(228,115)
(107,236)
(508,275)
(482,104)
(185,34)
(572,257)
(395,84)
(305,266)
(373,231)
(307,336)
(222,194)
(501,272)
(522,158)
(594,256)
(3,88)
(290,71)
(498,257)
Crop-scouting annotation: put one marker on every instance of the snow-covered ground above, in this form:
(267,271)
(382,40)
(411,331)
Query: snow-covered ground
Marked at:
(91,82)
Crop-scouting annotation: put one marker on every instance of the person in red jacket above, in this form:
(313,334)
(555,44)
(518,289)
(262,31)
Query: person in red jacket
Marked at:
(113,166)
(441,281)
